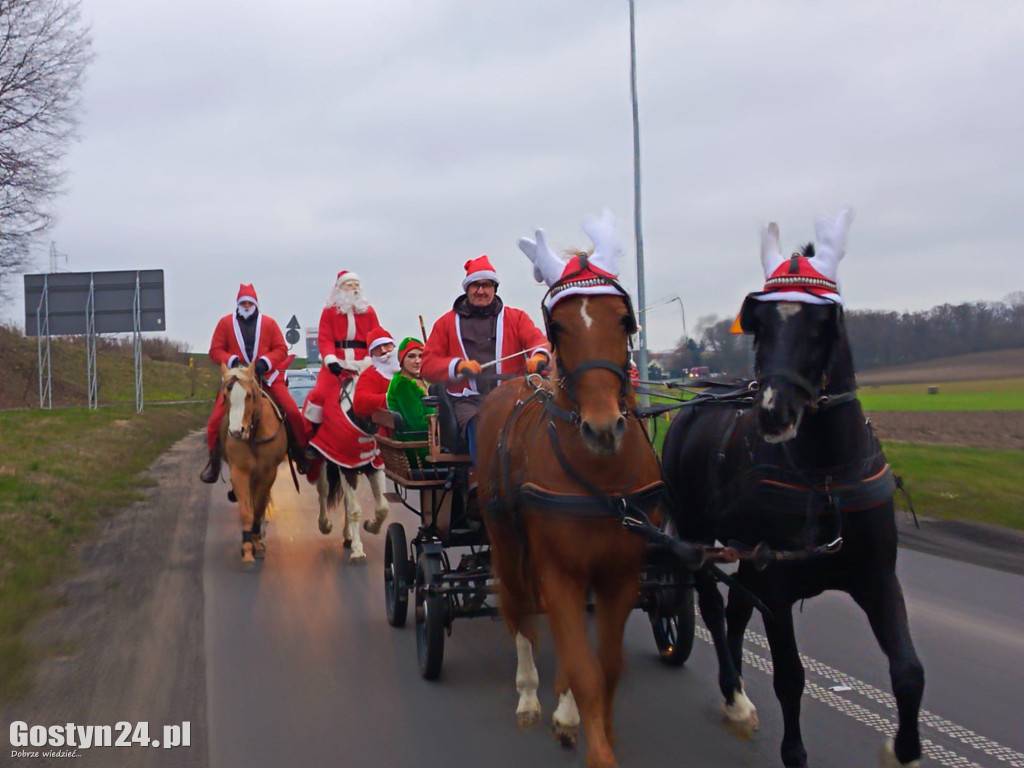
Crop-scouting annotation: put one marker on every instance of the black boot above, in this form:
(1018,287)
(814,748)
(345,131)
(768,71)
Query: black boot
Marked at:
(299,457)
(211,472)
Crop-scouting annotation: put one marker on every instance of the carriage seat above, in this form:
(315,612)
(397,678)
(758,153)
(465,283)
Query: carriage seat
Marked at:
(451,438)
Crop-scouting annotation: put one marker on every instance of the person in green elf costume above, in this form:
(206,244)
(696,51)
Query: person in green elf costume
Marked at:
(405,395)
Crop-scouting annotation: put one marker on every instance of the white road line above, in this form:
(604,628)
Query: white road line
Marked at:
(881,723)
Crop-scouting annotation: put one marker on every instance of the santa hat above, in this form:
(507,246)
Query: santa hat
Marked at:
(246,293)
(377,337)
(344,276)
(479,269)
(408,344)
(808,277)
(581,275)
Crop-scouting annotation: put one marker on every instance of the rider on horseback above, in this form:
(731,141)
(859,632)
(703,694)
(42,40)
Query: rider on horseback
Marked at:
(480,330)
(240,338)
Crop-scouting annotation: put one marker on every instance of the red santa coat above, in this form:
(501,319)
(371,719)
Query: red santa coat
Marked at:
(227,345)
(371,393)
(341,439)
(444,349)
(339,329)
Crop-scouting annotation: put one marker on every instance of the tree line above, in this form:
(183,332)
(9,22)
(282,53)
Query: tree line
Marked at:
(879,339)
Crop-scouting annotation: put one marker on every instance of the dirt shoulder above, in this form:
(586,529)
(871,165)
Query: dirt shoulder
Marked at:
(1003,430)
(1000,364)
(129,643)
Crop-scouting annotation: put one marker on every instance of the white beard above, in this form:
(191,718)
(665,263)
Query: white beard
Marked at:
(348,301)
(246,313)
(387,365)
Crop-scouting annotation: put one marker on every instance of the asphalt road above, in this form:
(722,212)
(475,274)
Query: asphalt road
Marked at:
(294,664)
(302,668)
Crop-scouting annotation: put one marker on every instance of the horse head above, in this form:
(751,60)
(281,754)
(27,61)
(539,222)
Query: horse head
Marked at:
(589,320)
(797,324)
(240,389)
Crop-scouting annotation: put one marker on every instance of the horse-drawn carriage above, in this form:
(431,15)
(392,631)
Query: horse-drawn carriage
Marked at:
(447,564)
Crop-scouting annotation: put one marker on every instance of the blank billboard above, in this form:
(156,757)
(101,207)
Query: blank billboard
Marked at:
(114,301)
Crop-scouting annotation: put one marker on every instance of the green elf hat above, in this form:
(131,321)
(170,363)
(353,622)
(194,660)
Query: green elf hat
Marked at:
(408,344)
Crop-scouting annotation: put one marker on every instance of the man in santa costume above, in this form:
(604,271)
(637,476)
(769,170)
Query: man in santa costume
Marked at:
(372,386)
(239,339)
(344,324)
(479,331)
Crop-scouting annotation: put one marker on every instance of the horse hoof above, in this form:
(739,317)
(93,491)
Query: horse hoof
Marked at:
(346,544)
(741,717)
(372,526)
(247,555)
(325,525)
(565,735)
(359,559)
(887,757)
(259,548)
(527,719)
(231,496)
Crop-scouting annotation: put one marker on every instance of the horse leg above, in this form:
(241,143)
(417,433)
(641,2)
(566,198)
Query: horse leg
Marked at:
(380,508)
(527,681)
(882,601)
(565,598)
(565,722)
(240,485)
(353,514)
(787,680)
(323,492)
(614,602)
(261,497)
(738,611)
(740,714)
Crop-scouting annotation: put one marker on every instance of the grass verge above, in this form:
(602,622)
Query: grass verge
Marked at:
(957,483)
(60,470)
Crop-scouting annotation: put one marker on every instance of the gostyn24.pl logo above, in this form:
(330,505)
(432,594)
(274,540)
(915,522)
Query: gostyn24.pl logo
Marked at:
(69,735)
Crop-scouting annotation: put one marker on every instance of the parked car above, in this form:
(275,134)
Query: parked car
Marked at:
(300,383)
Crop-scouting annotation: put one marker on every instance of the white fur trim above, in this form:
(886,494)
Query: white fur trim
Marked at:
(272,377)
(247,298)
(347,277)
(378,342)
(314,413)
(451,367)
(328,359)
(231,360)
(590,290)
(802,297)
(483,274)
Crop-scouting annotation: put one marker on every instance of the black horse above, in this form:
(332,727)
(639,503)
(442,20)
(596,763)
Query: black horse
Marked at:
(787,470)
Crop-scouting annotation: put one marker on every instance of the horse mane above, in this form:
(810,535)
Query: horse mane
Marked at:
(240,374)
(571,252)
(807,251)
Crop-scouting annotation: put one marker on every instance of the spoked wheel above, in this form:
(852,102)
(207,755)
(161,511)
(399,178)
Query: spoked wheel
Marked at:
(396,567)
(674,624)
(430,618)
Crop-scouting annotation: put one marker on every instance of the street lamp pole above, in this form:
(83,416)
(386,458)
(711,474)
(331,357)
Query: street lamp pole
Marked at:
(641,293)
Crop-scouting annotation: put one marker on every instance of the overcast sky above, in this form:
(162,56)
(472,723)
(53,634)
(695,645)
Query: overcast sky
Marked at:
(279,142)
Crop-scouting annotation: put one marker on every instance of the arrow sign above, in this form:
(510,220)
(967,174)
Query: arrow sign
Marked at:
(293,323)
(292,335)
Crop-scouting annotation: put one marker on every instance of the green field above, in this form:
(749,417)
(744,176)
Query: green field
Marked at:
(994,395)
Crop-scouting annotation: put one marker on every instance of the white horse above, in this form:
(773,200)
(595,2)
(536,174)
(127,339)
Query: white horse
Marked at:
(338,483)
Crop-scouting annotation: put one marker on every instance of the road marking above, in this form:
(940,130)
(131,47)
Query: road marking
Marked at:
(882,723)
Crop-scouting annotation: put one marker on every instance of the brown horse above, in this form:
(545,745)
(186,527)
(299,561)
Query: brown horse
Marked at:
(254,444)
(558,462)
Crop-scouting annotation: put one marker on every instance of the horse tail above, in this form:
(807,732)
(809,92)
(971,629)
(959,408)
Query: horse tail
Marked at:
(334,491)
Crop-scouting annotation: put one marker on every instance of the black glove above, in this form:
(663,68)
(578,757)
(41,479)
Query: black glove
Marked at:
(237,362)
(262,366)
(335,368)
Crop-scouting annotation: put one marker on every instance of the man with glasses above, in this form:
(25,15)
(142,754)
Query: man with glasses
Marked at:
(478,339)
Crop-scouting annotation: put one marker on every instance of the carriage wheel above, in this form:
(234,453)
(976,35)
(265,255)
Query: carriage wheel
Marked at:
(430,618)
(674,624)
(396,586)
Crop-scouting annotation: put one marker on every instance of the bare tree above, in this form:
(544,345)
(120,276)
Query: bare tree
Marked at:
(44,51)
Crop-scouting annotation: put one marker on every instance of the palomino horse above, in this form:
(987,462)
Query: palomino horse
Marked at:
(254,443)
(558,461)
(789,471)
